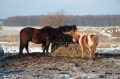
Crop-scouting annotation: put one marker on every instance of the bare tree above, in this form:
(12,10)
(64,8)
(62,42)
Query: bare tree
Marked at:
(56,19)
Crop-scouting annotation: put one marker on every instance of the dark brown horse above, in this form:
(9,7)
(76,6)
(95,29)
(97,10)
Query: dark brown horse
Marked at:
(67,28)
(42,36)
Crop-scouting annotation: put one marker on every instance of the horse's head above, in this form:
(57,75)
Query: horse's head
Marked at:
(74,27)
(71,28)
(76,35)
(67,28)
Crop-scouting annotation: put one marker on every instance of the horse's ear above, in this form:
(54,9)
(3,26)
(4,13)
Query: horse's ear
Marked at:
(74,25)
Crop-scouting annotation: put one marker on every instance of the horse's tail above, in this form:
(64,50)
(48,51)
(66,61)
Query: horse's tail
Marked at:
(20,47)
(95,43)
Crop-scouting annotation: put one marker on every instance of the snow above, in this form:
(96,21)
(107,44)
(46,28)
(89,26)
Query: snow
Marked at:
(15,49)
(108,50)
(8,48)
(11,49)
(103,32)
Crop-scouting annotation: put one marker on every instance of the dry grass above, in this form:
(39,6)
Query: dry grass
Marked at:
(115,32)
(72,50)
(103,45)
(69,49)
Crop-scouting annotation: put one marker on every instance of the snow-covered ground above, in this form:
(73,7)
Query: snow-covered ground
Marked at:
(105,31)
(68,68)
(9,48)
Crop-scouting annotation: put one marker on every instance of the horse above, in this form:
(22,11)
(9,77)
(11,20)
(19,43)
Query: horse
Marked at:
(89,41)
(66,28)
(42,36)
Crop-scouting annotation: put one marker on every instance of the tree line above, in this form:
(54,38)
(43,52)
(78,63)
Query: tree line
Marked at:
(60,18)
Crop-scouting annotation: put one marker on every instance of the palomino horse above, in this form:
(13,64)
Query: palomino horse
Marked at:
(39,36)
(88,41)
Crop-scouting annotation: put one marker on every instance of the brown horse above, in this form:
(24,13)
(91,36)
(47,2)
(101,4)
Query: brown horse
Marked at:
(39,36)
(88,41)
(67,28)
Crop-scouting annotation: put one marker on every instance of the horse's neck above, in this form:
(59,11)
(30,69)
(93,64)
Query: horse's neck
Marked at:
(59,29)
(78,33)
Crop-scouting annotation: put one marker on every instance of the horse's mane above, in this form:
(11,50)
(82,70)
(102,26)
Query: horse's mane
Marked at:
(54,31)
(67,28)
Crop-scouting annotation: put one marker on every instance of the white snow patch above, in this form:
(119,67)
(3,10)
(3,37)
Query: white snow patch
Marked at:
(108,50)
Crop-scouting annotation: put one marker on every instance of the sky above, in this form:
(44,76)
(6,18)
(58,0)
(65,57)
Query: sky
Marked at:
(9,8)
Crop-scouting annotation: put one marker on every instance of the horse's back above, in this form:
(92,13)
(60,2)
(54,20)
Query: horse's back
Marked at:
(53,31)
(84,40)
(27,30)
(26,34)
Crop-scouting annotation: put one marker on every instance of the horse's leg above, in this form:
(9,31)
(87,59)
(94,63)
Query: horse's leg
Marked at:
(44,50)
(93,52)
(21,48)
(81,47)
(82,51)
(90,54)
(90,51)
(47,45)
(47,48)
(43,46)
(26,47)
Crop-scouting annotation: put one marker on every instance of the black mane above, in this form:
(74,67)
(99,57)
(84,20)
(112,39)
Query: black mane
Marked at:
(67,28)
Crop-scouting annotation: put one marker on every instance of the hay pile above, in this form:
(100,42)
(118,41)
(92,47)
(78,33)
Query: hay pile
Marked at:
(72,49)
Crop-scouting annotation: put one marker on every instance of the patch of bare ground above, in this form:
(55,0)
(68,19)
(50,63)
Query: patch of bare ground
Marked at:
(36,65)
